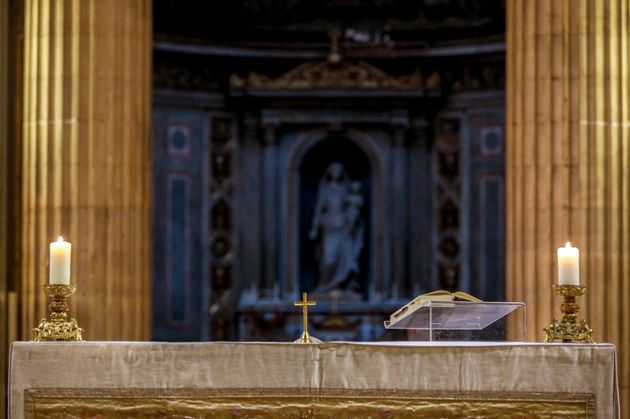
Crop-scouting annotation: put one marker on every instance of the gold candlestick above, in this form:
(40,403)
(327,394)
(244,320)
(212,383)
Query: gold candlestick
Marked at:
(568,329)
(305,338)
(59,327)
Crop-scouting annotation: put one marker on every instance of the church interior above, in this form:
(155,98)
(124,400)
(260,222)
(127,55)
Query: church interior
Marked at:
(244,171)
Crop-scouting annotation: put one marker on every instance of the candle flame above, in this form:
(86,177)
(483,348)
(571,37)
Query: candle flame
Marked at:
(60,239)
(568,244)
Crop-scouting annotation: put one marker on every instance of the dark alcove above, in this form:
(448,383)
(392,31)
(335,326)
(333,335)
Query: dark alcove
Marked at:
(314,165)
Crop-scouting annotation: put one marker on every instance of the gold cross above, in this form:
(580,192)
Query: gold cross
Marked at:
(305,338)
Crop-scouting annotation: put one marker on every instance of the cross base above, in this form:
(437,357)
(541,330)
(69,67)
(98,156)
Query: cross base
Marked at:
(306,338)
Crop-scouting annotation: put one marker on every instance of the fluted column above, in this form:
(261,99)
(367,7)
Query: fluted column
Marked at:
(4,202)
(87,160)
(568,160)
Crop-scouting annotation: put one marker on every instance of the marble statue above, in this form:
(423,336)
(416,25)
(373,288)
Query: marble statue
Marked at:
(338,227)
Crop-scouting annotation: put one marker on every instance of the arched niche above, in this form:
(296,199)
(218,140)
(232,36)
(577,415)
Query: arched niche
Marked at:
(308,159)
(357,168)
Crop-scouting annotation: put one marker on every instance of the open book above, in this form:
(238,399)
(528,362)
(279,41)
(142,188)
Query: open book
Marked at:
(420,300)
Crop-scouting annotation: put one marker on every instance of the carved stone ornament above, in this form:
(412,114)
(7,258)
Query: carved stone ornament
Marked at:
(345,75)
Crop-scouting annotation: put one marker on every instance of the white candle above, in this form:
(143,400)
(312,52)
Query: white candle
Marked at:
(60,262)
(568,265)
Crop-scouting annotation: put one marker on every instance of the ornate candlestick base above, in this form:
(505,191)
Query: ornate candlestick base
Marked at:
(59,327)
(568,329)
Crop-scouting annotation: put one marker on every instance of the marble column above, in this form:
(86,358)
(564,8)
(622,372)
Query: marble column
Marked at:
(568,160)
(87,160)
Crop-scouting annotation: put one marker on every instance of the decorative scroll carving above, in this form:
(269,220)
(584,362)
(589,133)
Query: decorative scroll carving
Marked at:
(480,76)
(222,235)
(192,76)
(345,75)
(448,193)
(221,216)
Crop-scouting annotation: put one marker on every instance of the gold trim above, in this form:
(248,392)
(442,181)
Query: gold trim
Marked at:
(299,402)
(346,75)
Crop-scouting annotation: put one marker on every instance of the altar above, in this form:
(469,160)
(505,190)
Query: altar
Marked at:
(247,380)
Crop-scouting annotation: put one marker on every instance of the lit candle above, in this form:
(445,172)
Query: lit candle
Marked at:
(568,265)
(60,262)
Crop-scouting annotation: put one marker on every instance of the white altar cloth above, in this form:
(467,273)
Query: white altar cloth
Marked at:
(436,375)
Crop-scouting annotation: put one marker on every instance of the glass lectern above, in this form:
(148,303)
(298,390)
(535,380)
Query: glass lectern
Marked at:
(434,316)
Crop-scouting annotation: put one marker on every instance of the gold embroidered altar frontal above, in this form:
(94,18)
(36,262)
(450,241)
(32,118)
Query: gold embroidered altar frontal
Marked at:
(254,380)
(301,403)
